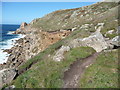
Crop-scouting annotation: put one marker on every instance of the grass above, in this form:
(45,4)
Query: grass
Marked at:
(109,26)
(54,47)
(48,73)
(103,73)
(110,36)
(46,66)
(61,19)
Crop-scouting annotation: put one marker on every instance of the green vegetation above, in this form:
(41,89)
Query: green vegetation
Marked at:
(44,72)
(65,19)
(103,73)
(48,73)
(54,47)
(111,35)
(110,26)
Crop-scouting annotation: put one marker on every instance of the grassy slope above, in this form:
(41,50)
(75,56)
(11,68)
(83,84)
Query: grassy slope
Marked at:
(62,19)
(103,73)
(48,73)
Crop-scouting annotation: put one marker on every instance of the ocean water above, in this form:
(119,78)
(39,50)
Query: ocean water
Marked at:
(7,40)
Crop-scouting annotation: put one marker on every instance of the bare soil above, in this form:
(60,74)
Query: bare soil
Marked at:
(73,75)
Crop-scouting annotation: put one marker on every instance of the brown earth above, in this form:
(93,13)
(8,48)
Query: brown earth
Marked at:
(31,45)
(51,38)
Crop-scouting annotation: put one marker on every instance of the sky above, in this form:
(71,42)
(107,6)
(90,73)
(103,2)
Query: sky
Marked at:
(18,12)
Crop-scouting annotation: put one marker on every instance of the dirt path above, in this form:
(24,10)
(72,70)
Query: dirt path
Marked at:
(73,75)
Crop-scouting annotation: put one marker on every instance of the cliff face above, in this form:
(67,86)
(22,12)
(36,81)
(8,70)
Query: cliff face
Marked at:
(34,42)
(52,37)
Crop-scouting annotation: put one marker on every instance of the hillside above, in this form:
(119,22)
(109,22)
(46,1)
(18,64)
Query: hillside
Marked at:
(71,48)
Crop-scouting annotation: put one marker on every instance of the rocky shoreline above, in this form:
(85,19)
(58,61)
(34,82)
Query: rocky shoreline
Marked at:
(25,48)
(38,39)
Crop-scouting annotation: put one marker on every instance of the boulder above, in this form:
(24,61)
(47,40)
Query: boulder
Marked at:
(6,76)
(59,54)
(96,41)
(116,41)
(99,26)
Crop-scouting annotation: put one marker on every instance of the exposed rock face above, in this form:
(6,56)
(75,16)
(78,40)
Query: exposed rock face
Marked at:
(115,42)
(23,25)
(96,41)
(34,42)
(99,26)
(6,76)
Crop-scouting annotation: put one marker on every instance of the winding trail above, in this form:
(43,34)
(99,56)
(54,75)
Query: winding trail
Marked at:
(73,75)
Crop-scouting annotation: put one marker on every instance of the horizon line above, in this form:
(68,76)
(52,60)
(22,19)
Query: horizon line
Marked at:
(9,24)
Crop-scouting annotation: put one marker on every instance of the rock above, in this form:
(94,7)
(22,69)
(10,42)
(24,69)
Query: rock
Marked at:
(6,76)
(73,29)
(116,41)
(99,26)
(59,54)
(22,29)
(23,25)
(96,41)
(8,51)
(85,26)
(75,13)
(10,87)
(110,32)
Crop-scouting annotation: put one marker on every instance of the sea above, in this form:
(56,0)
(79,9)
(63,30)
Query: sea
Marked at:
(7,39)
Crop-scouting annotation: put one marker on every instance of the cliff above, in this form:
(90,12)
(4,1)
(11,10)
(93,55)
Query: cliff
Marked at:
(55,43)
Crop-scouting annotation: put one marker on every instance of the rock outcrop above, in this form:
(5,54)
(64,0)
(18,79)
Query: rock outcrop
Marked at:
(95,41)
(34,42)
(60,53)
(114,43)
(6,76)
(23,25)
(25,48)
(21,29)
